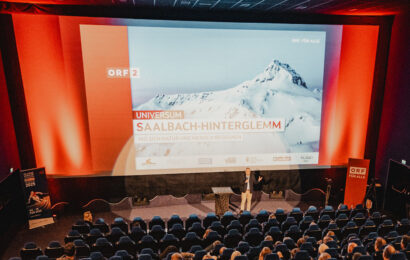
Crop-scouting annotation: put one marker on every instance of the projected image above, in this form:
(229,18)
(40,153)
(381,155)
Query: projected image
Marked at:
(225,97)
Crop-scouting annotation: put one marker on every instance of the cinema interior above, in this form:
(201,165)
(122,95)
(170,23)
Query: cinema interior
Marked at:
(205,129)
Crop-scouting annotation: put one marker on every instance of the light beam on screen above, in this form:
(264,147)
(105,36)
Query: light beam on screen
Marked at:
(55,120)
(348,126)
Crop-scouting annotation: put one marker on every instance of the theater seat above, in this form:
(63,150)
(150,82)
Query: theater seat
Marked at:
(293,232)
(104,246)
(82,227)
(124,255)
(91,237)
(54,249)
(97,255)
(195,248)
(30,251)
(266,243)
(157,232)
(368,227)
(283,249)
(262,216)
(191,220)
(297,214)
(243,247)
(272,256)
(149,251)
(341,220)
(376,217)
(72,235)
(307,246)
(138,221)
(328,210)
(254,237)
(253,223)
(212,237)
(305,222)
(253,252)
(217,226)
(144,257)
(226,254)
(289,242)
(235,224)
(275,233)
(120,222)
(81,248)
(314,231)
(127,244)
(270,223)
(197,229)
(210,217)
(189,240)
(147,241)
(232,239)
(137,233)
(302,255)
(227,218)
(313,212)
(101,225)
(199,254)
(324,221)
(359,218)
(245,217)
(287,223)
(403,227)
(280,215)
(168,240)
(174,219)
(385,227)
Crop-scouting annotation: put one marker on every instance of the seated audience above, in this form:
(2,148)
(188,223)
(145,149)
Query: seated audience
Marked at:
(388,252)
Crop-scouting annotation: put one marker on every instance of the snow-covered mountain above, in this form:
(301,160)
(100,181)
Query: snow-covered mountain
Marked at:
(278,92)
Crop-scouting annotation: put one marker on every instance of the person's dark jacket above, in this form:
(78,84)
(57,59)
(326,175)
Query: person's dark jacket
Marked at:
(252,181)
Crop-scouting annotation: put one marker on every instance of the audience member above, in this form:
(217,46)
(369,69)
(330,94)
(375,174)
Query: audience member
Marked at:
(235,254)
(69,252)
(388,252)
(324,256)
(404,241)
(322,248)
(264,251)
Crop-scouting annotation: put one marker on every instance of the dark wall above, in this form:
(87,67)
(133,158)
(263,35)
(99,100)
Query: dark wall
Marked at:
(114,188)
(394,135)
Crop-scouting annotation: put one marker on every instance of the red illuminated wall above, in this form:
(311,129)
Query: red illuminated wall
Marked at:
(79,125)
(346,110)
(9,156)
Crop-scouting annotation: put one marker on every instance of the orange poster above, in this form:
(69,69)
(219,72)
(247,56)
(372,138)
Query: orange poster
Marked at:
(356,181)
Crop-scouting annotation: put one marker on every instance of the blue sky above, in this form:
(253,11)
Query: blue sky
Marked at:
(186,60)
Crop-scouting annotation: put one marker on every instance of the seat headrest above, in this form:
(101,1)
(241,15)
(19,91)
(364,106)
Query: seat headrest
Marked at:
(95,232)
(54,244)
(30,245)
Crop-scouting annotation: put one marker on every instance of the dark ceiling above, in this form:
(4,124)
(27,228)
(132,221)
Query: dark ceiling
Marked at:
(344,7)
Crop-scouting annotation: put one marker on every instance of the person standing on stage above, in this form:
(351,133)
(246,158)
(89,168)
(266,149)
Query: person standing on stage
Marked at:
(247,189)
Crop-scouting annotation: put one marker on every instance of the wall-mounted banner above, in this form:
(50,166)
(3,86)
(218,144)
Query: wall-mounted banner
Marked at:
(356,181)
(38,204)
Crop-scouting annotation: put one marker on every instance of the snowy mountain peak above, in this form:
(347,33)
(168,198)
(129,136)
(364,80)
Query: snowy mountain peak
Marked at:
(277,69)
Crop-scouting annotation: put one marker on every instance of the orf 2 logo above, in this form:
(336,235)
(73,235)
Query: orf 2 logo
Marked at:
(123,73)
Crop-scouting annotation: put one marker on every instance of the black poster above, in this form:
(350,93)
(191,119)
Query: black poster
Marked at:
(36,196)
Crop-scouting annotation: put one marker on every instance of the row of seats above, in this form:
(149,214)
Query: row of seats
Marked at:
(240,228)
